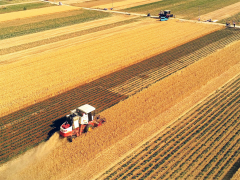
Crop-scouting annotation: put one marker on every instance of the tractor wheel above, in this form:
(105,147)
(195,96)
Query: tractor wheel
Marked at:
(89,127)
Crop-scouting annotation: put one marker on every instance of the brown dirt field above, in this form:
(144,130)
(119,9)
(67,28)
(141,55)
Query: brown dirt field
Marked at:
(41,72)
(16,41)
(139,111)
(34,12)
(222,13)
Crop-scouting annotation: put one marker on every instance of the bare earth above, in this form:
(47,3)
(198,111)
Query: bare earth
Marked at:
(223,13)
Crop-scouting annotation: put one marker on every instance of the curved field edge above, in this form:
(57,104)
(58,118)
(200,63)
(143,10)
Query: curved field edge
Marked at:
(27,28)
(129,115)
(161,143)
(32,118)
(188,9)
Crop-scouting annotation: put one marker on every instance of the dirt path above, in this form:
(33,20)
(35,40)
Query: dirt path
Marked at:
(223,13)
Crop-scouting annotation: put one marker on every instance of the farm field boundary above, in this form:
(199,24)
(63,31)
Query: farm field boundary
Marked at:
(4,5)
(50,36)
(154,101)
(153,159)
(23,7)
(34,12)
(145,133)
(222,13)
(48,21)
(98,93)
(115,48)
(187,9)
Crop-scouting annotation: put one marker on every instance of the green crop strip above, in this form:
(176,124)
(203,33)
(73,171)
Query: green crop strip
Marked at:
(65,36)
(84,16)
(188,9)
(22,7)
(235,18)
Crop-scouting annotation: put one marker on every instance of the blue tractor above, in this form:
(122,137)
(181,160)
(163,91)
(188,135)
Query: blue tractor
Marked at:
(164,15)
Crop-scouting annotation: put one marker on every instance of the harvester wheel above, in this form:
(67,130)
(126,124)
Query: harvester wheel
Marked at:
(70,139)
(89,127)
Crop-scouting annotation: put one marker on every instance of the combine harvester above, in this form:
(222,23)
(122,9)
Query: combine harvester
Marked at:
(164,15)
(80,120)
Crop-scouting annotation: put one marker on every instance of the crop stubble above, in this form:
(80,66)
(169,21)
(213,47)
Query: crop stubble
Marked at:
(198,145)
(103,93)
(34,12)
(48,70)
(132,113)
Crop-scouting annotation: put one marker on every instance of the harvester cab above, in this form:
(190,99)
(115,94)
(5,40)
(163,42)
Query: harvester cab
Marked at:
(80,120)
(164,15)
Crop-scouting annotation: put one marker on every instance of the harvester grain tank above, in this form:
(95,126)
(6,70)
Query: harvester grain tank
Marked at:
(80,120)
(164,15)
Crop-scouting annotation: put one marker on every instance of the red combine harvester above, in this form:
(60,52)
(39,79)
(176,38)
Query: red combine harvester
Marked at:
(80,120)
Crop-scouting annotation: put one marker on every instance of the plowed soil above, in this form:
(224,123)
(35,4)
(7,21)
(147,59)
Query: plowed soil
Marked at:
(50,69)
(128,116)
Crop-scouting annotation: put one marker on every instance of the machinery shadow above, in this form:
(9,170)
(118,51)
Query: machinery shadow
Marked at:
(55,126)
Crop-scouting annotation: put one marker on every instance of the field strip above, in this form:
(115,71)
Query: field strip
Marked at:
(124,4)
(117,48)
(28,2)
(144,105)
(135,84)
(111,155)
(16,41)
(35,12)
(44,49)
(222,13)
(143,129)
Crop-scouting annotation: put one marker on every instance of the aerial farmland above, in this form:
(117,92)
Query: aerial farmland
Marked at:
(165,75)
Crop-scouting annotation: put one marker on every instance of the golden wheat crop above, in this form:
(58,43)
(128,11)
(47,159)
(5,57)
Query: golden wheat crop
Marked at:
(35,12)
(21,40)
(124,4)
(127,116)
(38,73)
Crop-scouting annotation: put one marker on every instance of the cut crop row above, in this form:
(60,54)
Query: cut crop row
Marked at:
(221,124)
(99,92)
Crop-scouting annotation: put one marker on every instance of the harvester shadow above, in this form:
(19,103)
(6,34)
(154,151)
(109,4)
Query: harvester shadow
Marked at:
(55,126)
